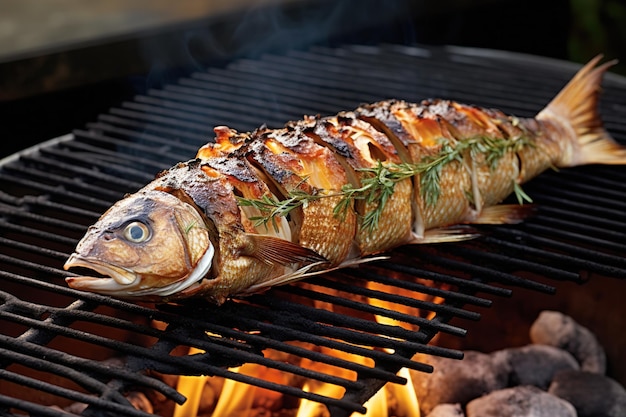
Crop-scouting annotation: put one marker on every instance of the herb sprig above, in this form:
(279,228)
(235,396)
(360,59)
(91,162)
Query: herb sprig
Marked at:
(378,182)
(272,208)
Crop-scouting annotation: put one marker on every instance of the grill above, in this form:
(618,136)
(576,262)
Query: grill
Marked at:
(53,337)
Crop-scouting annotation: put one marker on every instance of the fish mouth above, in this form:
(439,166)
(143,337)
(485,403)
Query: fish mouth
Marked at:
(126,283)
(118,278)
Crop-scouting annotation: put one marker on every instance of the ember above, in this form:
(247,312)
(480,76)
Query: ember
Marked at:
(533,380)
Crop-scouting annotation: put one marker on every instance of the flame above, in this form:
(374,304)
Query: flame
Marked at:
(392,399)
(405,403)
(377,405)
(235,399)
(406,400)
(310,408)
(191,387)
(239,399)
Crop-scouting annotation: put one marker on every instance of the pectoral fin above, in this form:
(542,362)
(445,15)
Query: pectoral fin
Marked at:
(274,250)
(305,272)
(286,278)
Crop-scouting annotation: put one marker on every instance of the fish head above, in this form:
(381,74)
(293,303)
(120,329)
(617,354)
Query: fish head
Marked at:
(148,245)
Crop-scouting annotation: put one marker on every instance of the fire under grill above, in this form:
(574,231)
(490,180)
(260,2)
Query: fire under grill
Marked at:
(55,341)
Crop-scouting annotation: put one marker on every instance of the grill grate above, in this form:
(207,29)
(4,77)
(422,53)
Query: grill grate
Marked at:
(50,194)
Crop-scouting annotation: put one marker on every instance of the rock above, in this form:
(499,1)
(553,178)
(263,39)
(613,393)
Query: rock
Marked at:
(521,401)
(556,329)
(535,364)
(458,381)
(447,410)
(591,394)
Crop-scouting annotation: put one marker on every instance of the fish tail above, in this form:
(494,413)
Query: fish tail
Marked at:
(576,109)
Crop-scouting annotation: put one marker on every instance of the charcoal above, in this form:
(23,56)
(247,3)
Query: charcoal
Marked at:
(556,329)
(447,410)
(458,381)
(520,401)
(534,364)
(591,394)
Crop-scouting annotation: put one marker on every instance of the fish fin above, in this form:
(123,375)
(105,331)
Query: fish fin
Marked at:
(280,251)
(576,107)
(504,214)
(283,279)
(444,235)
(348,263)
(305,272)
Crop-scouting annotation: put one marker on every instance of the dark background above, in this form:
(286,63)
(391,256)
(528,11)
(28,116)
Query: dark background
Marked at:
(45,92)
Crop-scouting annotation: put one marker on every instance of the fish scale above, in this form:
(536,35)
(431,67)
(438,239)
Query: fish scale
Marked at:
(357,144)
(453,204)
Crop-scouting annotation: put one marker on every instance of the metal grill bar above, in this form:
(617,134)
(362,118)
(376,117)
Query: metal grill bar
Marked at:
(513,262)
(572,262)
(344,302)
(139,136)
(424,289)
(473,285)
(64,392)
(63,364)
(485,272)
(54,193)
(590,224)
(141,149)
(156,119)
(169,132)
(33,408)
(579,237)
(61,193)
(426,305)
(116,159)
(121,347)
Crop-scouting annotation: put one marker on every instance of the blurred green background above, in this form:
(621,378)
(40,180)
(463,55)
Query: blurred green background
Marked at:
(598,25)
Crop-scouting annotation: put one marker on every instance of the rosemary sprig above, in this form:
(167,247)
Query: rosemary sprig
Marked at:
(377,186)
(272,208)
(520,194)
(189,227)
(378,182)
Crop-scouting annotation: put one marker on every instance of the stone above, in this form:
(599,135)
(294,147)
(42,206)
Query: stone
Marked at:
(447,410)
(520,401)
(591,394)
(458,381)
(534,364)
(556,329)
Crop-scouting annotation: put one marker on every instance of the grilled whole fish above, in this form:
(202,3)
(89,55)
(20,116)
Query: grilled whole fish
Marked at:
(264,208)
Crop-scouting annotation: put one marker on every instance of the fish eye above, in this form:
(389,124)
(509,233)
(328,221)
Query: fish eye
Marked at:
(136,232)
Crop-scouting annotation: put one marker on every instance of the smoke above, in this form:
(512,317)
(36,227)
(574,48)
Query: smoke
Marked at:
(272,27)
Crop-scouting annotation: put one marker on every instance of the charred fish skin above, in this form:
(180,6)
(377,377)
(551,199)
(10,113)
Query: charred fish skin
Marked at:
(243,258)
(293,162)
(359,146)
(278,205)
(286,161)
